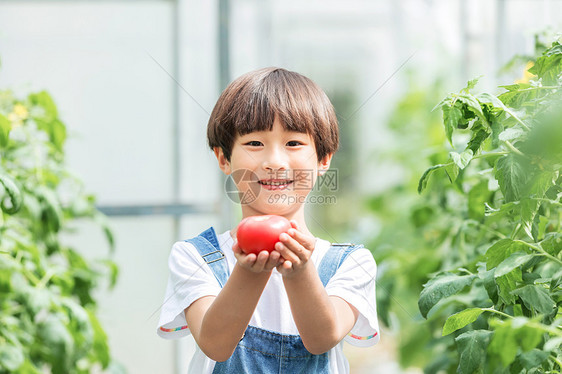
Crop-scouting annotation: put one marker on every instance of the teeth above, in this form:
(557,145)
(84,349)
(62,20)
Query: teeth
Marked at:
(274,183)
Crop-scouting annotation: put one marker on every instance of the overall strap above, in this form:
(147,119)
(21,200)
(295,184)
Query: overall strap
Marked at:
(333,259)
(208,247)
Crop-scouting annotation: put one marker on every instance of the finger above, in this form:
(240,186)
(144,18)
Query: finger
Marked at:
(273,260)
(248,259)
(305,240)
(236,248)
(294,246)
(261,260)
(286,252)
(285,267)
(240,256)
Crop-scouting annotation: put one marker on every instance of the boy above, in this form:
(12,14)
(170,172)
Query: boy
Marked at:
(288,310)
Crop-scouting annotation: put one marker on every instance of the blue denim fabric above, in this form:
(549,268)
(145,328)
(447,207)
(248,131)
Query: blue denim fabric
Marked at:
(268,352)
(263,351)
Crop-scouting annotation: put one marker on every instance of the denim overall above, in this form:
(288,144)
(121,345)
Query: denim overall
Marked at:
(263,351)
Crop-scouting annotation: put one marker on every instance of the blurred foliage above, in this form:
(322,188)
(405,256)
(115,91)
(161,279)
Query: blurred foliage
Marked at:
(335,203)
(47,310)
(481,246)
(409,227)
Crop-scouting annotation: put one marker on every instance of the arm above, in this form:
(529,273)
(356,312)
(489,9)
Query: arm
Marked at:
(322,320)
(218,323)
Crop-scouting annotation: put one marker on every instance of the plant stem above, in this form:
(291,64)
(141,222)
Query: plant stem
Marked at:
(539,249)
(512,148)
(490,154)
(547,200)
(555,359)
(43,282)
(516,231)
(530,323)
(497,312)
(508,111)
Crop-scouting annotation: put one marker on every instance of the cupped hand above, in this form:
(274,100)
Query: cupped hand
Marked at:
(296,248)
(262,262)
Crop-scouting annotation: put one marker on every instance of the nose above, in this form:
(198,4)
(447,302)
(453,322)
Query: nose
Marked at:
(275,161)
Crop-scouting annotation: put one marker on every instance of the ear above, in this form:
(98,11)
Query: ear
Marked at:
(324,164)
(224,164)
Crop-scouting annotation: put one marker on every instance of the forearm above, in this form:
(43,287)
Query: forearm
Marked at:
(225,321)
(319,322)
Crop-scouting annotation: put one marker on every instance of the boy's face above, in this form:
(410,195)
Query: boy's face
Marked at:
(284,165)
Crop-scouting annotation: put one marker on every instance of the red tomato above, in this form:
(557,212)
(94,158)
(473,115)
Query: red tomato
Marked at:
(260,233)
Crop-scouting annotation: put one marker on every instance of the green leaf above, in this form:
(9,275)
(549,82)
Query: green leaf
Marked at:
(488,98)
(511,134)
(553,344)
(441,286)
(552,243)
(535,189)
(452,172)
(103,222)
(472,351)
(501,250)
(479,135)
(113,272)
(461,319)
(516,260)
(532,359)
(503,343)
(477,198)
(48,120)
(11,357)
(535,297)
(461,160)
(510,335)
(52,212)
(511,177)
(549,66)
(5,128)
(489,283)
(13,194)
(507,283)
(422,184)
(54,334)
(473,104)
(100,347)
(452,116)
(471,84)
(497,129)
(517,95)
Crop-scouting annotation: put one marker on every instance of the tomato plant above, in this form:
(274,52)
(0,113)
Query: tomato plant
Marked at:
(47,309)
(260,233)
(498,292)
(441,237)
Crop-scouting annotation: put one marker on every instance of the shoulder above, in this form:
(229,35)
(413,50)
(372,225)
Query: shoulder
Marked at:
(187,249)
(182,254)
(359,262)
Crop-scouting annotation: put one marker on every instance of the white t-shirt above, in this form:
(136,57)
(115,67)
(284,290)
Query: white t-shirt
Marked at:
(190,279)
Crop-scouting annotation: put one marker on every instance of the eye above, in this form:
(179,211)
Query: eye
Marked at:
(253,143)
(294,143)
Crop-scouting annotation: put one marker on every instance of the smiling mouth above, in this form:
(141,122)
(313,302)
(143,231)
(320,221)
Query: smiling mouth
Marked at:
(275,182)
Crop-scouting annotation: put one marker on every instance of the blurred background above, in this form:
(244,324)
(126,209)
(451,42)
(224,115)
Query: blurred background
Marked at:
(135,82)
